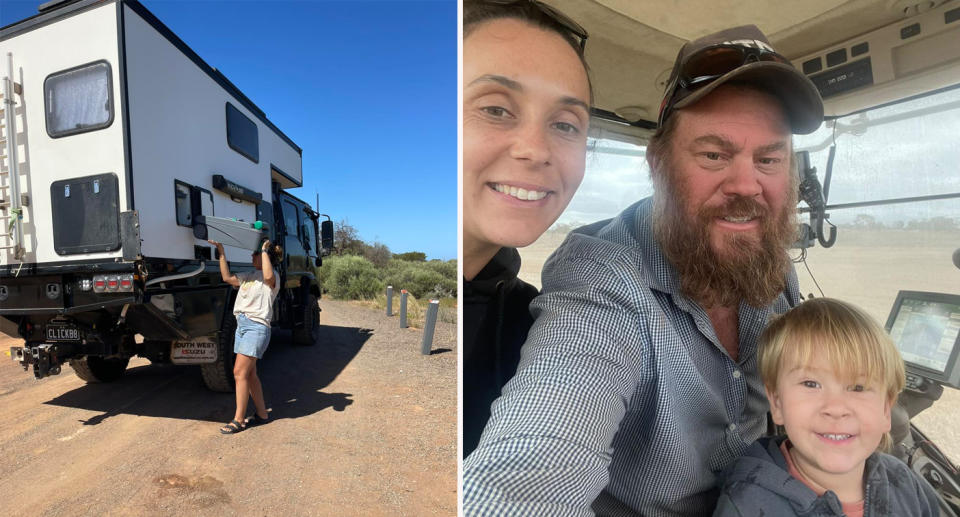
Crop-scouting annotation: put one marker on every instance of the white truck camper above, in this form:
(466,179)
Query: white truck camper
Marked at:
(122,152)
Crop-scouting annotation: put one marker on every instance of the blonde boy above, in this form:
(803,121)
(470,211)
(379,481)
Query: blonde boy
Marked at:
(831,374)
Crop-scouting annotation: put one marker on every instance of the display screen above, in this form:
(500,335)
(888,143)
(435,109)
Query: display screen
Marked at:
(926,332)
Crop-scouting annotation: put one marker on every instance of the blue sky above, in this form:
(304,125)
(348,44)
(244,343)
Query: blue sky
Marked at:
(367,89)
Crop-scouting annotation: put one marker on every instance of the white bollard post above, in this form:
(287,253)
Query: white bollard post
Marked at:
(429,327)
(389,300)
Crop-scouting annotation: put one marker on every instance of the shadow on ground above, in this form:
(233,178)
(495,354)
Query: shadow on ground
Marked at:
(293,377)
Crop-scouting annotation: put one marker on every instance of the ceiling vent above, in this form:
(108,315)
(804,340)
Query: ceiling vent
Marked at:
(914,7)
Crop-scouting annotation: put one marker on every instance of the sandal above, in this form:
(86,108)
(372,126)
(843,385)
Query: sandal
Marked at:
(256,420)
(233,427)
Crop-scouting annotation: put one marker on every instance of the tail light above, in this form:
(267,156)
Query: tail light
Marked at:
(113,283)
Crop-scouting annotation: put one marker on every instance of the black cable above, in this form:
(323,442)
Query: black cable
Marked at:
(811,274)
(801,257)
(829,241)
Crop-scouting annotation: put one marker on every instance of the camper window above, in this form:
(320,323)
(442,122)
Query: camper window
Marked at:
(182,196)
(79,99)
(242,134)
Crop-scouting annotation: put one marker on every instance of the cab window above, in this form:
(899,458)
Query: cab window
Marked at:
(616,176)
(290,218)
(891,233)
(309,234)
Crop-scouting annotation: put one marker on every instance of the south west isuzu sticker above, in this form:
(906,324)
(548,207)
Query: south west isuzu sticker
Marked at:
(193,351)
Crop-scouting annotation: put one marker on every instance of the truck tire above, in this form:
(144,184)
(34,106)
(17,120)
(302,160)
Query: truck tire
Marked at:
(309,332)
(218,376)
(99,369)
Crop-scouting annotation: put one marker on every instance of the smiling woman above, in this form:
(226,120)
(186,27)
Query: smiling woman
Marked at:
(526,111)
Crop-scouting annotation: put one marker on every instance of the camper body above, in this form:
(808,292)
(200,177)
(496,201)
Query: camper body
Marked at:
(124,145)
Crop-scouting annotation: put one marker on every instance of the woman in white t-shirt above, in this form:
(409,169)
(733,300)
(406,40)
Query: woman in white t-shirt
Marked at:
(253,310)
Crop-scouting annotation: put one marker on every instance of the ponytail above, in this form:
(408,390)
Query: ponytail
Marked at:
(276,253)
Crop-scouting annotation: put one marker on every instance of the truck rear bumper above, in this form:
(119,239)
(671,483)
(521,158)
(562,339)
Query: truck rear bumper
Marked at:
(54,294)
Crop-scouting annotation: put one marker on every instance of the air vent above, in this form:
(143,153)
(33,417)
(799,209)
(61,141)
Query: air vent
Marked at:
(914,7)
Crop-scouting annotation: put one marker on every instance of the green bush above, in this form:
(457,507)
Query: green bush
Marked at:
(434,279)
(350,278)
(411,256)
(448,269)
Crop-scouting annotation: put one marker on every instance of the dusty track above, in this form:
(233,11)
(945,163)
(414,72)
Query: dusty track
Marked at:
(361,424)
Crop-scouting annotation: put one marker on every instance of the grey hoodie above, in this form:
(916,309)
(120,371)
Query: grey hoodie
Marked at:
(758,485)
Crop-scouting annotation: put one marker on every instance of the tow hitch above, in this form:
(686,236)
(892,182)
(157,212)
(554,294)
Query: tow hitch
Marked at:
(43,358)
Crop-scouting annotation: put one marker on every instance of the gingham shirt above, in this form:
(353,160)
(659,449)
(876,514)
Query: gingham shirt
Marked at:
(624,402)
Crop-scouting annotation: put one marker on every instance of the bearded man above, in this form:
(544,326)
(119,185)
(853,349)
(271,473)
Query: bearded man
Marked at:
(639,381)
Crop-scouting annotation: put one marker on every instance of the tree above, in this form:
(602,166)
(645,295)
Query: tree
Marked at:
(378,253)
(866,221)
(347,239)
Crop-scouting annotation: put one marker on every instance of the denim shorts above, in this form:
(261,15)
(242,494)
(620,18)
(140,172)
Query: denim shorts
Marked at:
(252,338)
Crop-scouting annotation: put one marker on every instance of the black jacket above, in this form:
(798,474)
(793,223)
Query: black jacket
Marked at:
(496,318)
(759,485)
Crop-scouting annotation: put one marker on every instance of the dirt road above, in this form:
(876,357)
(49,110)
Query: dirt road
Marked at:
(361,424)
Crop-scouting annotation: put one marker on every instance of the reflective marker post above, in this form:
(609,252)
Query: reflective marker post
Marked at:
(429,327)
(389,300)
(403,308)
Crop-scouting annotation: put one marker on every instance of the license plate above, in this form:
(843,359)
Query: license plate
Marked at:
(61,333)
(198,351)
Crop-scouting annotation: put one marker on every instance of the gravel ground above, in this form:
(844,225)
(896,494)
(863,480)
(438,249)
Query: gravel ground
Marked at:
(361,424)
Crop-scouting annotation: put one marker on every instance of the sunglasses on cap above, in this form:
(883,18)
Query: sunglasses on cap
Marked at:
(558,17)
(709,64)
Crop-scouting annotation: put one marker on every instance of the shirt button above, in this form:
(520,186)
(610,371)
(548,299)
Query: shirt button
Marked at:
(732,427)
(736,374)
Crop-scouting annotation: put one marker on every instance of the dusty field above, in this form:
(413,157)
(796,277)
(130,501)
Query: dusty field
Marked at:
(866,268)
(362,424)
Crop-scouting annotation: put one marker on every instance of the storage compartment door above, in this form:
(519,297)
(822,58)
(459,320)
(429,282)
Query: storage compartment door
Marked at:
(86,214)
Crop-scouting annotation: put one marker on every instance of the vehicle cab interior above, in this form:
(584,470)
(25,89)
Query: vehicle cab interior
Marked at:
(879,210)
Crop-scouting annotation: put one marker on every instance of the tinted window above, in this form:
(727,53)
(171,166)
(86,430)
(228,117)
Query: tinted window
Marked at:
(78,100)
(182,197)
(242,134)
(290,218)
(309,235)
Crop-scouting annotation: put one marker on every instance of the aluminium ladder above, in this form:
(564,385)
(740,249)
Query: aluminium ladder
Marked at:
(11,204)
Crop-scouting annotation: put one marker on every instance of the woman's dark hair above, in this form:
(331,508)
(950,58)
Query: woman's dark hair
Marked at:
(276,253)
(478,12)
